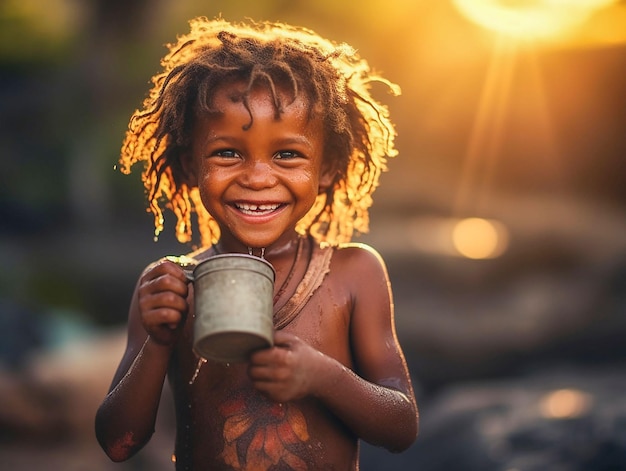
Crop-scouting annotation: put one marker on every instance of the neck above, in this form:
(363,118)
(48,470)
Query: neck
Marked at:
(284,245)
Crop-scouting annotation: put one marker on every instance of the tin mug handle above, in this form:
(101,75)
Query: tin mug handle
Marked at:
(186,263)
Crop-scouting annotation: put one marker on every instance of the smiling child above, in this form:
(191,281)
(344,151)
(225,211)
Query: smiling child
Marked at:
(268,137)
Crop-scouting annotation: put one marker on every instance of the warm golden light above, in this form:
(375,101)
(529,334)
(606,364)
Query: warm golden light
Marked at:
(530,19)
(479,238)
(565,404)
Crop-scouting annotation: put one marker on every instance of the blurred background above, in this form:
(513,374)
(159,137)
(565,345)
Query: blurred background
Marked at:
(502,220)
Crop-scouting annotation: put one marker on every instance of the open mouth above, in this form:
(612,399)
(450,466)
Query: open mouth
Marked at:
(257,209)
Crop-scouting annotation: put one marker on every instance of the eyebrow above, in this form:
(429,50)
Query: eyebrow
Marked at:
(289,140)
(297,139)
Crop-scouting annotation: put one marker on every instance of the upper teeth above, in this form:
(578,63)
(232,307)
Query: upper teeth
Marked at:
(260,207)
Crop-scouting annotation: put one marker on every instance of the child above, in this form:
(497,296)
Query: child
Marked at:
(269,136)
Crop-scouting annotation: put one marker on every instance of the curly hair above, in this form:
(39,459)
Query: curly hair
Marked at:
(359,136)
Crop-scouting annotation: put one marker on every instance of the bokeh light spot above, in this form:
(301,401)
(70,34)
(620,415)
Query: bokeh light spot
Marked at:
(565,404)
(479,238)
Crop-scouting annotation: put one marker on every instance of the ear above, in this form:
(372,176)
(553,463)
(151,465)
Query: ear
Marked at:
(327,177)
(188,166)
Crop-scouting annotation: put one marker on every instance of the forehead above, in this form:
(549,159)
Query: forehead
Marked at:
(235,109)
(261,94)
(262,101)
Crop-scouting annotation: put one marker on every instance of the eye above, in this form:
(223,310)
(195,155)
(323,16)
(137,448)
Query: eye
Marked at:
(226,153)
(287,155)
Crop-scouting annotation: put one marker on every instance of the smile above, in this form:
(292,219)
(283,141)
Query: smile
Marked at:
(257,210)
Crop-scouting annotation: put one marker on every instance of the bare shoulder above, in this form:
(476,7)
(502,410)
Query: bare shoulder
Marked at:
(359,265)
(359,256)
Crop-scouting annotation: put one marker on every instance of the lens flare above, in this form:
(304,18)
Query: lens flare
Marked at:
(530,19)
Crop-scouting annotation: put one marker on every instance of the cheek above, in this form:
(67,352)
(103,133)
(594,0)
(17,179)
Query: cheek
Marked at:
(307,182)
(211,186)
(213,177)
(312,192)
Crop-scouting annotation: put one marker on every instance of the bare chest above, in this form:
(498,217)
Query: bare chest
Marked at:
(221,419)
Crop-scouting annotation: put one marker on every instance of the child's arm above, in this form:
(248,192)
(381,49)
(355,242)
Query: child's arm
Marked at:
(125,420)
(378,403)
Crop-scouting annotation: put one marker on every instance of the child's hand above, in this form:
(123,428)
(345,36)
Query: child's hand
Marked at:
(286,371)
(163,301)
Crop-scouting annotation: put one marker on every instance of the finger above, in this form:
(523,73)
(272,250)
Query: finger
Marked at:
(174,270)
(270,357)
(168,282)
(161,317)
(260,357)
(284,339)
(273,371)
(164,290)
(165,267)
(162,336)
(162,300)
(259,373)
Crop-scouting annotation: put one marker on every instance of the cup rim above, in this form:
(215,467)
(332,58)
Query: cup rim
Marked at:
(236,255)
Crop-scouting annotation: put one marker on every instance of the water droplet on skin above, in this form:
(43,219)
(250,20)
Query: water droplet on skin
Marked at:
(251,252)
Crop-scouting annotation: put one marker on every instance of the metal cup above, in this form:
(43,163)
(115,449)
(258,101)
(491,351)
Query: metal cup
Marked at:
(234,306)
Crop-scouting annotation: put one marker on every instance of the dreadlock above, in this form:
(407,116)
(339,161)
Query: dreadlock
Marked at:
(336,82)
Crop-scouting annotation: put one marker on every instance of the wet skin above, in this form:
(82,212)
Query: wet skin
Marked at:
(335,374)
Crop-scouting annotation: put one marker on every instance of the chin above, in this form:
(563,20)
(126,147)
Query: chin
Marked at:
(258,242)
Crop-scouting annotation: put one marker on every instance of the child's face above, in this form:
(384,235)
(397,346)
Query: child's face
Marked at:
(257,181)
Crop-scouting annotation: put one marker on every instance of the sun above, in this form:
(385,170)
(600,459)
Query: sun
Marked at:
(530,19)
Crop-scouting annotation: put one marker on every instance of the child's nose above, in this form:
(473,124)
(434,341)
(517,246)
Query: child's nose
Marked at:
(258,175)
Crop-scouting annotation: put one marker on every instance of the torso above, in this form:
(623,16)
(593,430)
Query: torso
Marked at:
(230,426)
